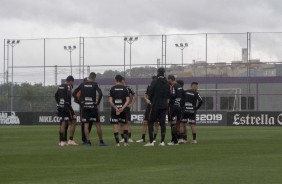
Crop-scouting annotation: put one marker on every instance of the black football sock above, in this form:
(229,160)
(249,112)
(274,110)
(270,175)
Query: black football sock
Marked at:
(185,137)
(143,136)
(125,135)
(129,135)
(194,136)
(66,132)
(61,137)
(83,138)
(65,136)
(122,136)
(163,131)
(116,137)
(171,132)
(151,131)
(71,137)
(178,135)
(155,136)
(101,141)
(174,133)
(88,142)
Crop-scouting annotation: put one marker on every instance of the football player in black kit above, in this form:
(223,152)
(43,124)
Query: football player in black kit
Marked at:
(132,98)
(174,110)
(83,138)
(89,101)
(190,103)
(158,95)
(181,140)
(146,117)
(119,100)
(63,100)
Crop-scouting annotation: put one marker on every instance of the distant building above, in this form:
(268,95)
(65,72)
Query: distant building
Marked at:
(253,68)
(244,55)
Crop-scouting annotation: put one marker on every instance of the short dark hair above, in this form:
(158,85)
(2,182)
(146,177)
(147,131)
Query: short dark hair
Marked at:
(123,78)
(196,83)
(180,82)
(70,78)
(118,78)
(92,75)
(171,77)
(161,71)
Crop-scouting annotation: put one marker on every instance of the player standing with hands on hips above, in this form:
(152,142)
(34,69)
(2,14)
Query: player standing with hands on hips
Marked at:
(191,102)
(174,110)
(89,98)
(64,109)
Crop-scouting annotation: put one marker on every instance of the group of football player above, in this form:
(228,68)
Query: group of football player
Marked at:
(164,96)
(167,97)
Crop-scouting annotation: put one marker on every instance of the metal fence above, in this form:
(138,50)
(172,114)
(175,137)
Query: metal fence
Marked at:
(45,61)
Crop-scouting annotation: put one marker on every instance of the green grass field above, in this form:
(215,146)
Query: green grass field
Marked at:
(30,154)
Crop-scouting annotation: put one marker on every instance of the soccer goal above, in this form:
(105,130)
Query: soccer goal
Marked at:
(225,99)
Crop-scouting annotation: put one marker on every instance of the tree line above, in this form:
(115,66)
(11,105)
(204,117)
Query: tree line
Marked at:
(27,97)
(37,97)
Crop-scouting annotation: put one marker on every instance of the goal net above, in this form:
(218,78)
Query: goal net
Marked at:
(226,99)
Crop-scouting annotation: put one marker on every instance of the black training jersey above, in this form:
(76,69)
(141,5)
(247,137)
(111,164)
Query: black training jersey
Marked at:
(86,94)
(191,100)
(130,91)
(147,90)
(159,93)
(119,93)
(176,93)
(63,95)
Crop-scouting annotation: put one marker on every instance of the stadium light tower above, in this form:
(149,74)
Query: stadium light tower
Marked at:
(181,46)
(12,43)
(130,40)
(70,49)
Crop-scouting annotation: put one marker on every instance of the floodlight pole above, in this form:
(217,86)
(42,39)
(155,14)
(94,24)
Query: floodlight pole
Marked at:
(12,43)
(130,40)
(124,53)
(182,46)
(7,71)
(70,49)
(4,68)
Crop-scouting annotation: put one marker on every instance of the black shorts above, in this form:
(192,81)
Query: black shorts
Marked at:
(128,113)
(189,117)
(115,119)
(157,115)
(147,112)
(90,115)
(174,113)
(66,114)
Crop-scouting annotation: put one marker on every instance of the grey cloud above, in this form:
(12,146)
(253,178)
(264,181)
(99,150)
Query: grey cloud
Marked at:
(147,15)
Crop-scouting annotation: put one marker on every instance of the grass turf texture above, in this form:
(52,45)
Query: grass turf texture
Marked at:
(30,154)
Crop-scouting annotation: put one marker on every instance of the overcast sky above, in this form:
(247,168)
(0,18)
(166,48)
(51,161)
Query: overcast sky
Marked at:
(53,18)
(72,18)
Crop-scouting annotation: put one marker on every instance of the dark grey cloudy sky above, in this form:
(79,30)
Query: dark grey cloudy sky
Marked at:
(73,18)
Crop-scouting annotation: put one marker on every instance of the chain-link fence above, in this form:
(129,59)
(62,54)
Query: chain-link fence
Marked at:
(221,62)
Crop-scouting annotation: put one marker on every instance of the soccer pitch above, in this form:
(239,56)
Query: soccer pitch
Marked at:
(227,155)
